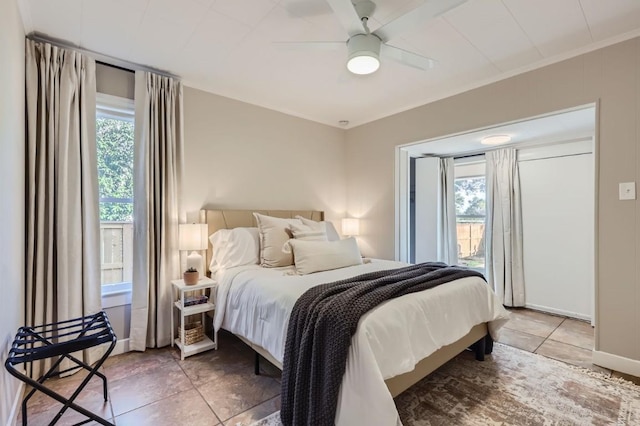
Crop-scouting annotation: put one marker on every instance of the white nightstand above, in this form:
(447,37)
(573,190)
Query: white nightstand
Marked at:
(206,343)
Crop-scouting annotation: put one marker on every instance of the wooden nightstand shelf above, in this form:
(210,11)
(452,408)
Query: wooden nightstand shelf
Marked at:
(181,288)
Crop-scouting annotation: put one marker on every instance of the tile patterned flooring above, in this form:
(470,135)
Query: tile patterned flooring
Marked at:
(219,387)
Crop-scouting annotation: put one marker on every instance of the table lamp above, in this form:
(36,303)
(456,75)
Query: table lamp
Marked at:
(350,227)
(193,237)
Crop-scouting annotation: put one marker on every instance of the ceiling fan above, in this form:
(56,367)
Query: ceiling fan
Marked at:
(365,47)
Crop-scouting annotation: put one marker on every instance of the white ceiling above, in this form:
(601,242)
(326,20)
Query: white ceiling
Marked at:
(226,46)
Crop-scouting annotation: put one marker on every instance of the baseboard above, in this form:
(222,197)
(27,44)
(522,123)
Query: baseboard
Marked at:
(617,363)
(122,346)
(15,407)
(558,311)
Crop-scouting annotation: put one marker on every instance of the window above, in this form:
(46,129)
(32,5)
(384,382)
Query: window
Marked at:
(470,221)
(115,141)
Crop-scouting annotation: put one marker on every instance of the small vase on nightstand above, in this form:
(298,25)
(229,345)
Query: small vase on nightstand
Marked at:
(191,276)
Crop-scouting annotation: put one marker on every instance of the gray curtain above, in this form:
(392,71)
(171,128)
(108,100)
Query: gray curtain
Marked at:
(62,216)
(505,265)
(447,235)
(158,175)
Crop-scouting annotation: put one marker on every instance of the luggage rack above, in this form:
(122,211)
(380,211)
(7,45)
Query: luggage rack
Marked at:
(61,339)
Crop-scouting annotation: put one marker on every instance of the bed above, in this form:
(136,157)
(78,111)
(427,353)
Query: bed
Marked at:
(385,357)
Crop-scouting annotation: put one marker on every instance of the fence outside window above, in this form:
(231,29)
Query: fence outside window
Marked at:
(116,252)
(471,242)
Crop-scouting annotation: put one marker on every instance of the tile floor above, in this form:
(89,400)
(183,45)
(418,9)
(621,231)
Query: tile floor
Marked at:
(219,387)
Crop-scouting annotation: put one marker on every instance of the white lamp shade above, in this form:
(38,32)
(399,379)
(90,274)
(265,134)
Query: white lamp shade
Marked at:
(193,236)
(350,226)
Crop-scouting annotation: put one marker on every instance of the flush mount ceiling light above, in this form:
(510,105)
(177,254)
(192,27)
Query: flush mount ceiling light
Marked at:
(495,139)
(364,54)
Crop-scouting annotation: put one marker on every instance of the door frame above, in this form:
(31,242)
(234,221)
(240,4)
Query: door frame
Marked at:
(401,185)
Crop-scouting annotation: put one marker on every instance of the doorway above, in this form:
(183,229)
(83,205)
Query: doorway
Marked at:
(556,159)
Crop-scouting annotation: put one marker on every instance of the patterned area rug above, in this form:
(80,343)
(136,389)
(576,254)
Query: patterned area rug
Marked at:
(514,387)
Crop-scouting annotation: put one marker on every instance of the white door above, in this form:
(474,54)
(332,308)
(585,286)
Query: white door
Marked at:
(557,217)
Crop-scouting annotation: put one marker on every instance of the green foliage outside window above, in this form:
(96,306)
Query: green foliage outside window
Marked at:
(470,196)
(115,169)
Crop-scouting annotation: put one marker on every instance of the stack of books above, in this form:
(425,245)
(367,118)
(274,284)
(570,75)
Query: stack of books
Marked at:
(195,300)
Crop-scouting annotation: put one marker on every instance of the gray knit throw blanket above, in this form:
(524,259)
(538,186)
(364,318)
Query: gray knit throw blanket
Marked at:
(319,334)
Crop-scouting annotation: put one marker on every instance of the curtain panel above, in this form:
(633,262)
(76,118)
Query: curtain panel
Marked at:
(62,217)
(447,238)
(505,264)
(158,172)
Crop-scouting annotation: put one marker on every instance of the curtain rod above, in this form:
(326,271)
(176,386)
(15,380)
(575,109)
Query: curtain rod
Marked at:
(99,57)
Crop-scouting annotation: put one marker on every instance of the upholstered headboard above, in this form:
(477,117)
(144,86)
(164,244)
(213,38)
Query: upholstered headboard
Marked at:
(227,219)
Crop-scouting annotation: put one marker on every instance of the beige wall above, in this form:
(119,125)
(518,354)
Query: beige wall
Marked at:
(239,155)
(610,75)
(11,193)
(243,156)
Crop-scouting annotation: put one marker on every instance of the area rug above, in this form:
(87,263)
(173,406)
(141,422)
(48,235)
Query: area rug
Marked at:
(514,387)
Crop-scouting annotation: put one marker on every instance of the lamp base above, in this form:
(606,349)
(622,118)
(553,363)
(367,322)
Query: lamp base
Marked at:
(194,260)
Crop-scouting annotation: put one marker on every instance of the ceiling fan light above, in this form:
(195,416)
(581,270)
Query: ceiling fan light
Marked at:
(363,64)
(364,50)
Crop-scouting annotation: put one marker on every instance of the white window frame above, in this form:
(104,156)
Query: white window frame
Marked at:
(110,106)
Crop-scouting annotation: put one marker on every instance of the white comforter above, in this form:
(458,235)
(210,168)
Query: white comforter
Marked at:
(256,302)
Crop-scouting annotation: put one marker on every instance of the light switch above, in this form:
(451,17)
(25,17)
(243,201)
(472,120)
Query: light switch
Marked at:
(627,190)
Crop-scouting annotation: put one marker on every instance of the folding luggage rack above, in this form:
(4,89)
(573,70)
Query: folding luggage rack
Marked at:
(60,340)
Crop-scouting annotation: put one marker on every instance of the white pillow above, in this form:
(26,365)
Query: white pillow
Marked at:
(234,247)
(316,256)
(332,234)
(274,233)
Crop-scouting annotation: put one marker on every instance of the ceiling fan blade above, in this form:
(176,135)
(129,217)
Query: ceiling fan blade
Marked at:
(421,14)
(347,16)
(307,45)
(407,58)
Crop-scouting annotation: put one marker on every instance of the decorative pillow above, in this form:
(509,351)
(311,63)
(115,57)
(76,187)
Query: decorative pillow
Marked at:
(316,256)
(315,232)
(306,233)
(274,233)
(332,234)
(234,247)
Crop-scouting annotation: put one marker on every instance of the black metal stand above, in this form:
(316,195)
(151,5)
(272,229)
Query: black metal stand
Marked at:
(60,340)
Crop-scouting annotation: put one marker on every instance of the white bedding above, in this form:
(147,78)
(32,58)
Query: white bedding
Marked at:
(255,303)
